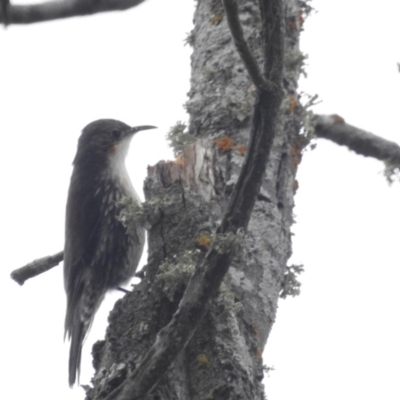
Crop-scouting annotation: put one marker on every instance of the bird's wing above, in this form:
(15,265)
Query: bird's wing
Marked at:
(82,238)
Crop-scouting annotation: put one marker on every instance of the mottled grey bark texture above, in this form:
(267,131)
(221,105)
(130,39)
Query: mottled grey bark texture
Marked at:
(188,197)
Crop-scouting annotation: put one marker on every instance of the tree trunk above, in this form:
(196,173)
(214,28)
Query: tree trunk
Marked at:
(185,202)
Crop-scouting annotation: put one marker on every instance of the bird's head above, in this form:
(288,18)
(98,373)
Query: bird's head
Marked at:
(104,140)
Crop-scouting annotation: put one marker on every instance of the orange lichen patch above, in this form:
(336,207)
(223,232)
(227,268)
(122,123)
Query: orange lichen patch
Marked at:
(295,186)
(255,330)
(204,242)
(112,149)
(259,353)
(292,25)
(224,144)
(300,18)
(337,119)
(241,149)
(216,19)
(293,103)
(251,89)
(203,359)
(296,152)
(180,160)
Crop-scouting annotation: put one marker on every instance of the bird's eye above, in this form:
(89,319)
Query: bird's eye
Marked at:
(116,134)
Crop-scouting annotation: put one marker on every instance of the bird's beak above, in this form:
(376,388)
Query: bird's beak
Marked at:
(135,129)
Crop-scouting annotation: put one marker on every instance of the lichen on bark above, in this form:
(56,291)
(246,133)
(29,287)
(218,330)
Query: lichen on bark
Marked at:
(223,360)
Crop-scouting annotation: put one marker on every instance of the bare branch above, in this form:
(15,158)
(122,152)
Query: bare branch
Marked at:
(4,4)
(231,11)
(26,14)
(263,129)
(334,128)
(273,37)
(36,267)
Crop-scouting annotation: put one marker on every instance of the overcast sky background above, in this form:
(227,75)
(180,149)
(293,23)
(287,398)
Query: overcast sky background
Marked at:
(340,338)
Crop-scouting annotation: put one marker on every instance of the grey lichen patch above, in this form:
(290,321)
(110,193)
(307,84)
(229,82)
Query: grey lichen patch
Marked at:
(178,137)
(308,119)
(239,279)
(227,296)
(190,38)
(228,242)
(306,7)
(108,382)
(246,106)
(295,60)
(391,172)
(117,374)
(291,285)
(302,107)
(230,183)
(174,274)
(146,214)
(308,123)
(267,369)
(131,213)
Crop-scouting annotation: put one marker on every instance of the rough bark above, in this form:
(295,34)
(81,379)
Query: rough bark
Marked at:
(224,357)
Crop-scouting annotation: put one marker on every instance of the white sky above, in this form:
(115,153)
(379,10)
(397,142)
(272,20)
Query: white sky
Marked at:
(339,339)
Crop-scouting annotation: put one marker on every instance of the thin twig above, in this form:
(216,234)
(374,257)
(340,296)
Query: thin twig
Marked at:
(48,11)
(232,15)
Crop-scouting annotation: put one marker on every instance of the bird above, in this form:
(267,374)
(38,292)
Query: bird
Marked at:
(100,254)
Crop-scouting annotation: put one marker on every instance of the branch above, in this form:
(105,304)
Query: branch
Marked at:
(333,127)
(206,280)
(273,38)
(26,14)
(232,15)
(247,187)
(4,11)
(36,267)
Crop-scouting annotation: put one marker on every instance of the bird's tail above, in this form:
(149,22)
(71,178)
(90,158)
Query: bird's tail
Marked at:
(78,333)
(77,324)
